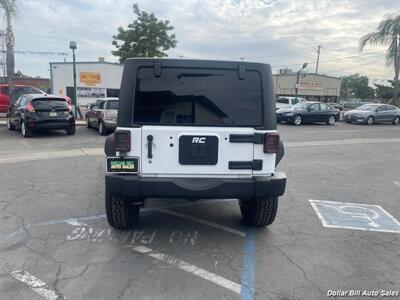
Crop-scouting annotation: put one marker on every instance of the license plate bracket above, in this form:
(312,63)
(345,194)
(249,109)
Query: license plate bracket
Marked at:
(122,165)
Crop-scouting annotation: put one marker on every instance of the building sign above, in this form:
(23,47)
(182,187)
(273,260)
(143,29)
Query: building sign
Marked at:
(310,85)
(90,78)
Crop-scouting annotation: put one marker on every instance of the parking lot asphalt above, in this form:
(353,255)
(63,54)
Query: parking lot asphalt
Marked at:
(55,242)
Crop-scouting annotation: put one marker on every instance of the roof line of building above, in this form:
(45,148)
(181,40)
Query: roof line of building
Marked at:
(295,74)
(85,62)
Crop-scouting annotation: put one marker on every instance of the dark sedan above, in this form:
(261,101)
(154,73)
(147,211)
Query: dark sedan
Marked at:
(308,112)
(40,112)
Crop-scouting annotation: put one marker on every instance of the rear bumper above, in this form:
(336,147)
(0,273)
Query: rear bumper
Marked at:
(136,187)
(48,124)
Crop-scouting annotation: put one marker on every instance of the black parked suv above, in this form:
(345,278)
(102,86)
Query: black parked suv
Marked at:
(33,112)
(194,129)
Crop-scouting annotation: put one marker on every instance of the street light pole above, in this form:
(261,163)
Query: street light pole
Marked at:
(297,80)
(72,46)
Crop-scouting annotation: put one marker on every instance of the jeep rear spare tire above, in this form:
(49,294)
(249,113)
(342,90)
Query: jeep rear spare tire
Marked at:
(259,212)
(121,213)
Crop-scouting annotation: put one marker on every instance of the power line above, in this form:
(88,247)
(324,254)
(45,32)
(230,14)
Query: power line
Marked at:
(43,53)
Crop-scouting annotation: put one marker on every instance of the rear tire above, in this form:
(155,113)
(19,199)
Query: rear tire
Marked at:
(370,120)
(10,126)
(297,120)
(88,125)
(102,128)
(70,130)
(26,132)
(121,214)
(396,121)
(259,212)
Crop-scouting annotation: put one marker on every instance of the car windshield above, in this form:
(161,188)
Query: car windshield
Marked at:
(300,105)
(207,97)
(367,107)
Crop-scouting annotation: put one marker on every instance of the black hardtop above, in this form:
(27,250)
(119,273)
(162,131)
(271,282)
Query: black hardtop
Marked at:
(129,77)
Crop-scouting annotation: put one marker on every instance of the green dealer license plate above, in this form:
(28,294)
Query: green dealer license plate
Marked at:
(122,164)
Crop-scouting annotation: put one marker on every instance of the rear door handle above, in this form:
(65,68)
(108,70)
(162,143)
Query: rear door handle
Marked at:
(149,146)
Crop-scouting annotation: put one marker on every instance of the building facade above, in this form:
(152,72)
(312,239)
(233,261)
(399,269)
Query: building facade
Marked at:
(311,86)
(93,80)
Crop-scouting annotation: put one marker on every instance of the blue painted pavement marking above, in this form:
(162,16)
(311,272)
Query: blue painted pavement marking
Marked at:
(248,272)
(355,216)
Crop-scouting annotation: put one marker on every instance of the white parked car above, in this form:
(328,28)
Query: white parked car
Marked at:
(287,102)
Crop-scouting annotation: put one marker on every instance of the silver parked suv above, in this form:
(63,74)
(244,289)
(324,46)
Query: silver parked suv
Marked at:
(102,115)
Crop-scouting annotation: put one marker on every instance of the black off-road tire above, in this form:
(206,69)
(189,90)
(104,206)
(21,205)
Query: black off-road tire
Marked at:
(70,130)
(259,212)
(121,214)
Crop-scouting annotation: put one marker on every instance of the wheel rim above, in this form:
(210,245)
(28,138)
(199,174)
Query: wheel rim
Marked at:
(87,122)
(8,123)
(397,121)
(331,120)
(370,120)
(297,120)
(101,127)
(23,130)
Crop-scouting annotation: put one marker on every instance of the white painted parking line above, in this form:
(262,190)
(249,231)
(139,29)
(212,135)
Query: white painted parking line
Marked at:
(201,221)
(185,266)
(342,142)
(76,221)
(35,156)
(36,285)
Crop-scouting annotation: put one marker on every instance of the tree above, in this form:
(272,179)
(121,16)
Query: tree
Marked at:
(388,33)
(356,86)
(145,37)
(383,91)
(10,10)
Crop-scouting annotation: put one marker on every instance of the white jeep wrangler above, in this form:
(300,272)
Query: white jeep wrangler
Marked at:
(194,129)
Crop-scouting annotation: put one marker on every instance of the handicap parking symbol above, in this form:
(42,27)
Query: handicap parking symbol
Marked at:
(355,216)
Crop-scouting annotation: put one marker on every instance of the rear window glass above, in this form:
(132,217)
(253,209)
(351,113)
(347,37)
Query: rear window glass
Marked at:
(49,104)
(182,96)
(112,104)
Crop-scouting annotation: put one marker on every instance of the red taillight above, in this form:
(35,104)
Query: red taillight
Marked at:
(271,142)
(29,107)
(122,141)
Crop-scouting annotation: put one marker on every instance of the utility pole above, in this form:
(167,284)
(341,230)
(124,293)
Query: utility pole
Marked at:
(318,51)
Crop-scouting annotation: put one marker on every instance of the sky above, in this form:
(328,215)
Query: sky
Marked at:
(279,32)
